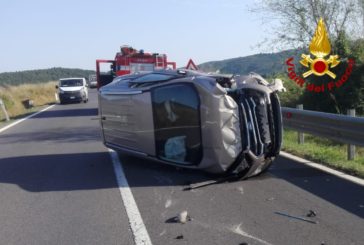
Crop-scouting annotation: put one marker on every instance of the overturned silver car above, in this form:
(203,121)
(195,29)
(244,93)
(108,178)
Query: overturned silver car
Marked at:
(220,124)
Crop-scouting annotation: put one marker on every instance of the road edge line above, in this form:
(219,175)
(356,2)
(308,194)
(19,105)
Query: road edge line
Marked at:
(337,173)
(25,118)
(140,233)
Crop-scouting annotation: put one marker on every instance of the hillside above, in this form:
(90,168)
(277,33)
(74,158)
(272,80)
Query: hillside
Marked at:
(41,76)
(263,64)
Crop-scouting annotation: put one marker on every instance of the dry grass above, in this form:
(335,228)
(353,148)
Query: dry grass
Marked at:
(41,94)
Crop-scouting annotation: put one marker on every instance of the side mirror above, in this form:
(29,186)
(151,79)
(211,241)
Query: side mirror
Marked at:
(57,86)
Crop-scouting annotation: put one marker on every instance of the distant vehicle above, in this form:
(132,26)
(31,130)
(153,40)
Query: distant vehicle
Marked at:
(220,124)
(92,81)
(130,60)
(72,90)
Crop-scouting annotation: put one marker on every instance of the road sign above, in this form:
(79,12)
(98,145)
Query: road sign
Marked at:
(191,65)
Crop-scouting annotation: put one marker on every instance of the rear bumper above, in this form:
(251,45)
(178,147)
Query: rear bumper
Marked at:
(93,84)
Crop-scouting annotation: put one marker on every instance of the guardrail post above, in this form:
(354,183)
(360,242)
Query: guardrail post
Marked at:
(351,148)
(4,110)
(300,135)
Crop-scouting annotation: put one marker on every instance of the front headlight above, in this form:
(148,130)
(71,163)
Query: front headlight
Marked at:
(61,91)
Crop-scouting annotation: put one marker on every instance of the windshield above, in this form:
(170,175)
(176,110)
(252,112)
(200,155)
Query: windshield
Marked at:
(71,83)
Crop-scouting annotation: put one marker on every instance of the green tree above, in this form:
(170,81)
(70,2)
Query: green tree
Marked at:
(297,21)
(41,76)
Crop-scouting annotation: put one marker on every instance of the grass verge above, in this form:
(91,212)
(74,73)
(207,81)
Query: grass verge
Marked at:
(41,94)
(324,151)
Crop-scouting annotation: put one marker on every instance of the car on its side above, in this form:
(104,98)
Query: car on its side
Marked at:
(72,90)
(220,124)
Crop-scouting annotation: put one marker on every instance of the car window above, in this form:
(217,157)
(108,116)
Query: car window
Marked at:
(71,83)
(177,123)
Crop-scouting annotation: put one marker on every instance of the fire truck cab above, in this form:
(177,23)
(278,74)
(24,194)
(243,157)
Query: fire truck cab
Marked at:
(130,60)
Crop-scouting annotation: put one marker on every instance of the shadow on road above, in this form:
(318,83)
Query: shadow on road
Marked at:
(339,192)
(86,171)
(142,172)
(56,135)
(59,172)
(81,112)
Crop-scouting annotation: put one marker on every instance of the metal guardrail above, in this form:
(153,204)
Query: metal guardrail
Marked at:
(341,128)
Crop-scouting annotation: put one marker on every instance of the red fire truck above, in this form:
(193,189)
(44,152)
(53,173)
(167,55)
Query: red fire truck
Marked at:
(130,60)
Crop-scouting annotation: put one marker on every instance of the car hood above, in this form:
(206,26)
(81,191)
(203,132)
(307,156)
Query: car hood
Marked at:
(69,89)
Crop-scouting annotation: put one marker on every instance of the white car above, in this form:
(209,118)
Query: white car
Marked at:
(72,90)
(92,81)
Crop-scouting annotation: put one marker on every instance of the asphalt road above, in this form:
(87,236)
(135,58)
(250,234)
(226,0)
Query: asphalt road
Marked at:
(58,186)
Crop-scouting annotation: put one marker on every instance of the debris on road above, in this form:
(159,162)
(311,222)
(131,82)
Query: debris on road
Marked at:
(241,190)
(179,237)
(270,199)
(200,184)
(229,178)
(295,217)
(311,214)
(182,218)
(238,230)
(168,203)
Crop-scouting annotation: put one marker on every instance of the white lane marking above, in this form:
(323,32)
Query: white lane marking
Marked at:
(23,119)
(140,233)
(324,168)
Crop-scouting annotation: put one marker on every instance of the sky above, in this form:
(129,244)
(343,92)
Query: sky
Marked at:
(40,34)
